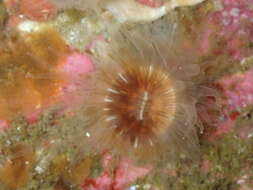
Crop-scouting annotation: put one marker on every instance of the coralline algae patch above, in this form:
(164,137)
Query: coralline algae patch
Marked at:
(225,41)
(231,25)
(237,99)
(151,3)
(238,90)
(75,68)
(122,175)
(236,22)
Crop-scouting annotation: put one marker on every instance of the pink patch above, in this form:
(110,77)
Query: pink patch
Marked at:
(33,117)
(3,124)
(103,182)
(205,41)
(205,166)
(236,2)
(74,69)
(233,115)
(123,175)
(238,89)
(223,127)
(150,3)
(107,159)
(233,24)
(77,65)
(14,21)
(126,173)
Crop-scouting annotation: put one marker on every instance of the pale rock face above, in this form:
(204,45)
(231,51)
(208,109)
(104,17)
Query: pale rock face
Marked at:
(126,10)
(179,3)
(132,11)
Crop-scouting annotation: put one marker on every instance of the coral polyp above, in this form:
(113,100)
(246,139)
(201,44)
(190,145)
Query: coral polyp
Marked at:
(143,102)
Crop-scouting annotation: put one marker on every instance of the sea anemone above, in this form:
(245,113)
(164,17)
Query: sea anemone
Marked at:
(144,94)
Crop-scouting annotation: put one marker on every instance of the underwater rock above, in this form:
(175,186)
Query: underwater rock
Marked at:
(132,11)
(128,10)
(136,11)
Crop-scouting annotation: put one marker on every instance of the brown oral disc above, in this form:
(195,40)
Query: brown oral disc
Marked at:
(140,103)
